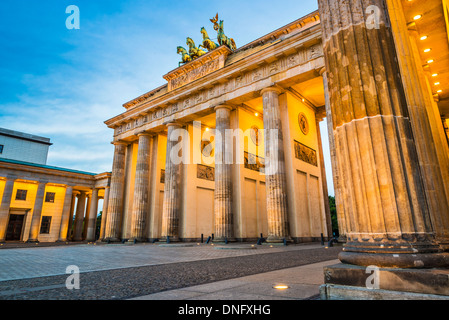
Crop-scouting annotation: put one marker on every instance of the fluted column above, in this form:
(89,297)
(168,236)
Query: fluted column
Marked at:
(104,214)
(72,213)
(335,175)
(275,179)
(388,219)
(79,217)
(65,216)
(432,153)
(141,203)
(37,212)
(86,214)
(224,227)
(115,205)
(327,210)
(92,218)
(170,212)
(4,207)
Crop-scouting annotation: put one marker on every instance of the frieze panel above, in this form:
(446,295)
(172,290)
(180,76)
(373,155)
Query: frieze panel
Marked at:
(306,154)
(253,162)
(205,172)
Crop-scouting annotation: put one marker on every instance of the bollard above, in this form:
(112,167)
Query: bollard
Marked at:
(208,240)
(322,240)
(285,241)
(168,239)
(202,238)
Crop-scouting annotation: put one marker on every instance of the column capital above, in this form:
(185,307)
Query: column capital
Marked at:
(223,106)
(271,89)
(144,134)
(173,124)
(119,143)
(322,71)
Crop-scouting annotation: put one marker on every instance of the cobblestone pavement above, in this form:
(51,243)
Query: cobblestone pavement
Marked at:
(49,261)
(127,271)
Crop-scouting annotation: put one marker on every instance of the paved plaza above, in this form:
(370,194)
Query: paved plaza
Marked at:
(125,271)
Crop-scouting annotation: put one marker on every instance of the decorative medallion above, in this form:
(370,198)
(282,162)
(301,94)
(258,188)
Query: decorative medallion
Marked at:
(255,135)
(303,123)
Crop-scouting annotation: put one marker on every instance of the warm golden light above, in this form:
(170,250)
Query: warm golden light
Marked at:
(437,83)
(256,114)
(427,50)
(417,17)
(435,75)
(430,61)
(423,38)
(207,129)
(281,287)
(439,91)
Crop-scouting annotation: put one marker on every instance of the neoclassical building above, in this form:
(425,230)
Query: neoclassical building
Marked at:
(38,201)
(275,82)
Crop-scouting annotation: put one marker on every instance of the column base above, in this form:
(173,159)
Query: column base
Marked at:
(32,241)
(223,240)
(349,282)
(111,240)
(399,260)
(276,239)
(172,239)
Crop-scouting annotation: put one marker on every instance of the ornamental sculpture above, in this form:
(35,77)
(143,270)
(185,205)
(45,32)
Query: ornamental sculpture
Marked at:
(196,52)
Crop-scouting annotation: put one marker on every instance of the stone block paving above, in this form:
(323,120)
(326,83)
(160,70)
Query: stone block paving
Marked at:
(35,262)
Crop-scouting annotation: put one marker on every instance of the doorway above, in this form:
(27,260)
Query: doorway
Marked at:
(15,226)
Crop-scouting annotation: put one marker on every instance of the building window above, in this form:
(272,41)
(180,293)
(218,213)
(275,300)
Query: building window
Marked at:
(45,224)
(50,197)
(21,194)
(1,148)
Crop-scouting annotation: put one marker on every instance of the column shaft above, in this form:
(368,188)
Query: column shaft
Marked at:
(65,215)
(37,213)
(335,174)
(385,202)
(92,218)
(104,214)
(141,202)
(170,211)
(224,227)
(115,205)
(276,186)
(327,210)
(79,217)
(4,207)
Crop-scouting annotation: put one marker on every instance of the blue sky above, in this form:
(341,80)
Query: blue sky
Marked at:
(63,84)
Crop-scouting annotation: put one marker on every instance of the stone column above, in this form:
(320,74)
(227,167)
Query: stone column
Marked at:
(335,175)
(276,186)
(432,153)
(37,213)
(92,218)
(79,217)
(115,205)
(4,207)
(388,218)
(86,214)
(72,212)
(224,226)
(327,210)
(65,215)
(141,202)
(170,212)
(104,214)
